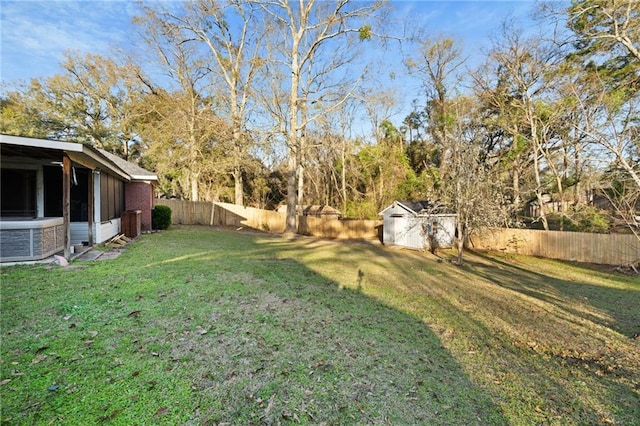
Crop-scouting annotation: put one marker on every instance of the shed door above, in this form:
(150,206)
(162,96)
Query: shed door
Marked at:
(400,225)
(388,231)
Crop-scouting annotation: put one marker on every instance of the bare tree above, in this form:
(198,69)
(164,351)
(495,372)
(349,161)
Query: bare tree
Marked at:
(438,65)
(233,32)
(611,124)
(180,123)
(527,64)
(472,187)
(309,29)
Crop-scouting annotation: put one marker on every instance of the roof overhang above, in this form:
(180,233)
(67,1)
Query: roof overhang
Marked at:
(415,213)
(397,203)
(77,152)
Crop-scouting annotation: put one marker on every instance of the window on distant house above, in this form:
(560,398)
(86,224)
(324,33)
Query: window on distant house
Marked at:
(18,193)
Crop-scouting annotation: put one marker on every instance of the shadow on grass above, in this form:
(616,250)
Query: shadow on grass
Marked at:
(615,308)
(547,357)
(195,325)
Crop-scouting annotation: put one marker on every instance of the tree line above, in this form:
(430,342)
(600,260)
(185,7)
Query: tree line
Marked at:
(256,103)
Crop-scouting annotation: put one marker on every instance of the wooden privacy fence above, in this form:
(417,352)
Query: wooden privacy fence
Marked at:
(340,228)
(606,249)
(225,214)
(206,213)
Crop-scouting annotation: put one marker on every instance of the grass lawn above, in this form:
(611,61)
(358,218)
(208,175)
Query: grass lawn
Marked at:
(200,325)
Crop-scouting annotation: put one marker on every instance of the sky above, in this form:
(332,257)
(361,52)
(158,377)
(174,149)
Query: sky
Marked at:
(35,34)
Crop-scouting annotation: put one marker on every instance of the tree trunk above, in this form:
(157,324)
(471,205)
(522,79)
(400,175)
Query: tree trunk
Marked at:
(516,186)
(460,243)
(343,178)
(193,181)
(237,170)
(290,227)
(238,186)
(300,193)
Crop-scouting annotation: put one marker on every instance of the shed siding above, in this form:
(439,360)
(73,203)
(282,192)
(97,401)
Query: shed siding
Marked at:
(408,229)
(416,235)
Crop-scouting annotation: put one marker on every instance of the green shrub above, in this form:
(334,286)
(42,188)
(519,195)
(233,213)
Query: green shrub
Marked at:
(581,219)
(161,217)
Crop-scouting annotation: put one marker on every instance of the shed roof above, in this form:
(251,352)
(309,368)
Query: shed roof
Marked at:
(421,207)
(320,210)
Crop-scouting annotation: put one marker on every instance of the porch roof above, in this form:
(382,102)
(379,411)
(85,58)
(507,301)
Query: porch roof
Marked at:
(85,155)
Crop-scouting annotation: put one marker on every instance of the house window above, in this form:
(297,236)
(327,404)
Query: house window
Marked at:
(111,197)
(18,193)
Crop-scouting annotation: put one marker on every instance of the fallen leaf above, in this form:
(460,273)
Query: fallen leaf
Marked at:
(133,314)
(4,382)
(110,416)
(39,358)
(93,333)
(67,317)
(161,411)
(41,349)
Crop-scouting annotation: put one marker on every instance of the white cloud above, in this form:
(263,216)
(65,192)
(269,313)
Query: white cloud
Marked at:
(35,34)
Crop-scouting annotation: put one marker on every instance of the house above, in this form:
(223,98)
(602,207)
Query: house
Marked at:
(55,195)
(322,211)
(418,225)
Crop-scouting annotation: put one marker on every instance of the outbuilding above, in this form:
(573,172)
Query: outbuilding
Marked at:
(58,195)
(418,225)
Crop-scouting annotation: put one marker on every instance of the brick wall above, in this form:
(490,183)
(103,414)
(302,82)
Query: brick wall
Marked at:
(139,196)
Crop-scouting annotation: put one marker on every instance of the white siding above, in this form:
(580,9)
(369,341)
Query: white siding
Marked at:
(446,232)
(97,231)
(416,233)
(404,228)
(79,232)
(108,230)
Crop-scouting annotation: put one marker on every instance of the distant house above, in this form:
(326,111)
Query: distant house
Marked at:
(58,194)
(418,225)
(323,211)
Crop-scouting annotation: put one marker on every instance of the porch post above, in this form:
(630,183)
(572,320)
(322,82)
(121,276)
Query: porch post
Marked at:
(91,208)
(66,203)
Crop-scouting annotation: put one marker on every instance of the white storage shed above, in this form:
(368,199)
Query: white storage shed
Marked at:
(418,225)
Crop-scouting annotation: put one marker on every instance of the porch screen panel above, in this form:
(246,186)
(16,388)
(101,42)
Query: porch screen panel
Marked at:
(104,197)
(18,193)
(111,197)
